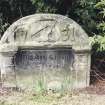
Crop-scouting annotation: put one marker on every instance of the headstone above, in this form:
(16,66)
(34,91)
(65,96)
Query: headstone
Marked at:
(45,51)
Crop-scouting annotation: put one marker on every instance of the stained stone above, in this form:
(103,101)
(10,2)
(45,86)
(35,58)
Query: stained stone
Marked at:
(45,51)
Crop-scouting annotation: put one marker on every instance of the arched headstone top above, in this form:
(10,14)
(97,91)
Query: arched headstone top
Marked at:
(46,30)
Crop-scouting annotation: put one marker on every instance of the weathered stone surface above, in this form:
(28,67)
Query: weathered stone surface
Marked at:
(47,30)
(44,58)
(42,49)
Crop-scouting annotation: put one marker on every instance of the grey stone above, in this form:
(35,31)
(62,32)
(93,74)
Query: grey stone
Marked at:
(41,48)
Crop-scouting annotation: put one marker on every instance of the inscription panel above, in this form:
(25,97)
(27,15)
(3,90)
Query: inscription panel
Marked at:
(44,59)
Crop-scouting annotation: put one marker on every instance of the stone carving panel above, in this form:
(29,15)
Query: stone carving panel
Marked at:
(45,59)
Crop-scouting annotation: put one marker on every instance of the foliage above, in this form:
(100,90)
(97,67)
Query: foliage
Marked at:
(98,40)
(44,6)
(11,10)
(3,26)
(85,14)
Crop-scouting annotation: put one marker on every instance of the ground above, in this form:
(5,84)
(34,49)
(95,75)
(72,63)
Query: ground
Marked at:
(68,99)
(93,95)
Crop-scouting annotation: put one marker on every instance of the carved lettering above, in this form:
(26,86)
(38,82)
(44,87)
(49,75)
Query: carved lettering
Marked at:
(44,59)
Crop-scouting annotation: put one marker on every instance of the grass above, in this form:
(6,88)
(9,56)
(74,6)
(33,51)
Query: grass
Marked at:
(50,98)
(17,98)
